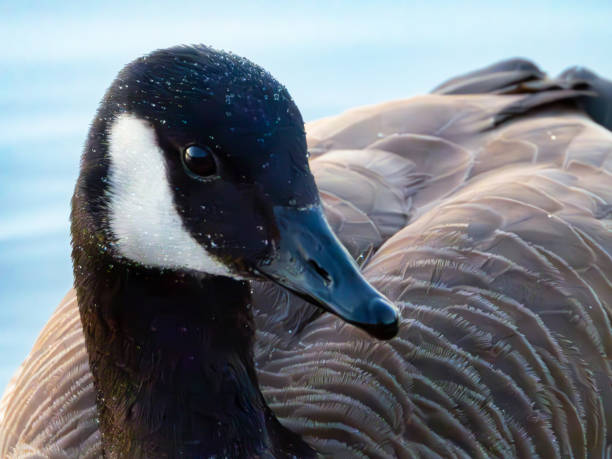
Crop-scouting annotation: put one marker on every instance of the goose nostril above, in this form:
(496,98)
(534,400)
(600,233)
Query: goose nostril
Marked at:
(327,280)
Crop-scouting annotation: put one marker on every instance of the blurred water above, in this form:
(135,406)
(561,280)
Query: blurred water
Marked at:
(56,59)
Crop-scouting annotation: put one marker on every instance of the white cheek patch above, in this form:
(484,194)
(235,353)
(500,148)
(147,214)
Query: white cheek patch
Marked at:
(143,219)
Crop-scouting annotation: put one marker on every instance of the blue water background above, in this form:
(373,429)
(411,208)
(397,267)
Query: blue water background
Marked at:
(57,58)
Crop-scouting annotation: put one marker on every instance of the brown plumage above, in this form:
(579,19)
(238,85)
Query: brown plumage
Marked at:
(484,211)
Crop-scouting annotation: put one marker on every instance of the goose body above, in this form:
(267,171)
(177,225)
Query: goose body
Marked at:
(483,211)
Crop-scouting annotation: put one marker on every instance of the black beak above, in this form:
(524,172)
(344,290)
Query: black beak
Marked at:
(311,262)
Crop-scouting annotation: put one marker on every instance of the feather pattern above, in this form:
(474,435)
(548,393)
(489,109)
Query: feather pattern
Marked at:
(484,211)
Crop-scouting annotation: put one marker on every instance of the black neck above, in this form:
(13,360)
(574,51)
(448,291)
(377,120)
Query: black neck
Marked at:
(171,357)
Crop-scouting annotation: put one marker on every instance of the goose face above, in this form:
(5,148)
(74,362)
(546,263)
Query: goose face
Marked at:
(203,163)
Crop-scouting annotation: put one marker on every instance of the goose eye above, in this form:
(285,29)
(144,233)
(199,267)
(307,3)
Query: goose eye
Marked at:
(199,161)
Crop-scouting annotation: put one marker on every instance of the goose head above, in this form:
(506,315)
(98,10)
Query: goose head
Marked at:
(197,162)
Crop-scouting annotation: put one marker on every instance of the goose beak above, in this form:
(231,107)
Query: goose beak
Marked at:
(311,262)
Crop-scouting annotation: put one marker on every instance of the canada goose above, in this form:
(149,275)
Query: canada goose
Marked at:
(482,211)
